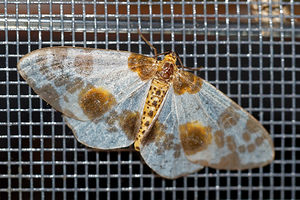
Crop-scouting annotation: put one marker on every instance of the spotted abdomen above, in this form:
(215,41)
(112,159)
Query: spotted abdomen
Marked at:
(156,94)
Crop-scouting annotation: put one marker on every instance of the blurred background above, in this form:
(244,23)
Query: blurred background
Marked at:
(250,50)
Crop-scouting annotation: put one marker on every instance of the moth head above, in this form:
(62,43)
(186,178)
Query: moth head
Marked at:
(171,57)
(168,66)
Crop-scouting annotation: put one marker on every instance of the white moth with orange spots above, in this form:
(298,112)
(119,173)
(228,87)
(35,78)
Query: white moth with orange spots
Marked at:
(178,121)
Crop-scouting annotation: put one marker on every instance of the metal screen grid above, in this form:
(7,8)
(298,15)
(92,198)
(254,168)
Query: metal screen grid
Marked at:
(41,159)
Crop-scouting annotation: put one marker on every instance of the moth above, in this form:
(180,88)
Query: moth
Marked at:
(179,122)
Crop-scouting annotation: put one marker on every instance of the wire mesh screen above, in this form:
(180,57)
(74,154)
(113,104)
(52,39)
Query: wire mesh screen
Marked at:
(248,49)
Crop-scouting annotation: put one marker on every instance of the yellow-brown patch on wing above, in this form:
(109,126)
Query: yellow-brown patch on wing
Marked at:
(58,57)
(74,85)
(231,143)
(186,82)
(252,125)
(111,118)
(41,59)
(162,140)
(229,117)
(129,122)
(259,141)
(146,67)
(110,121)
(232,162)
(242,148)
(44,69)
(219,138)
(177,149)
(251,148)
(246,137)
(84,64)
(194,137)
(49,94)
(63,79)
(95,101)
(50,72)
(155,134)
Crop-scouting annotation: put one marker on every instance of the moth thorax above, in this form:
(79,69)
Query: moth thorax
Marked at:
(167,70)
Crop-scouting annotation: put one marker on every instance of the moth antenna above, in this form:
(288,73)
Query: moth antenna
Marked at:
(182,66)
(164,53)
(178,58)
(151,46)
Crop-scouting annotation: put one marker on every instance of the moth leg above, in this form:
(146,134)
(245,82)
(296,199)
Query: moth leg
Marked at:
(182,66)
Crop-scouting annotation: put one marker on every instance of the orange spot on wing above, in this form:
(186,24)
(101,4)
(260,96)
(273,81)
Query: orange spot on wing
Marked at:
(145,66)
(252,125)
(251,148)
(229,117)
(259,141)
(194,137)
(129,122)
(231,143)
(246,137)
(95,101)
(186,82)
(219,138)
(155,134)
(232,162)
(242,148)
(162,140)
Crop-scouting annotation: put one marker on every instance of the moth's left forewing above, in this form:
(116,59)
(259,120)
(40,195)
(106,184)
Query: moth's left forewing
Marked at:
(114,129)
(78,81)
(215,131)
(100,92)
